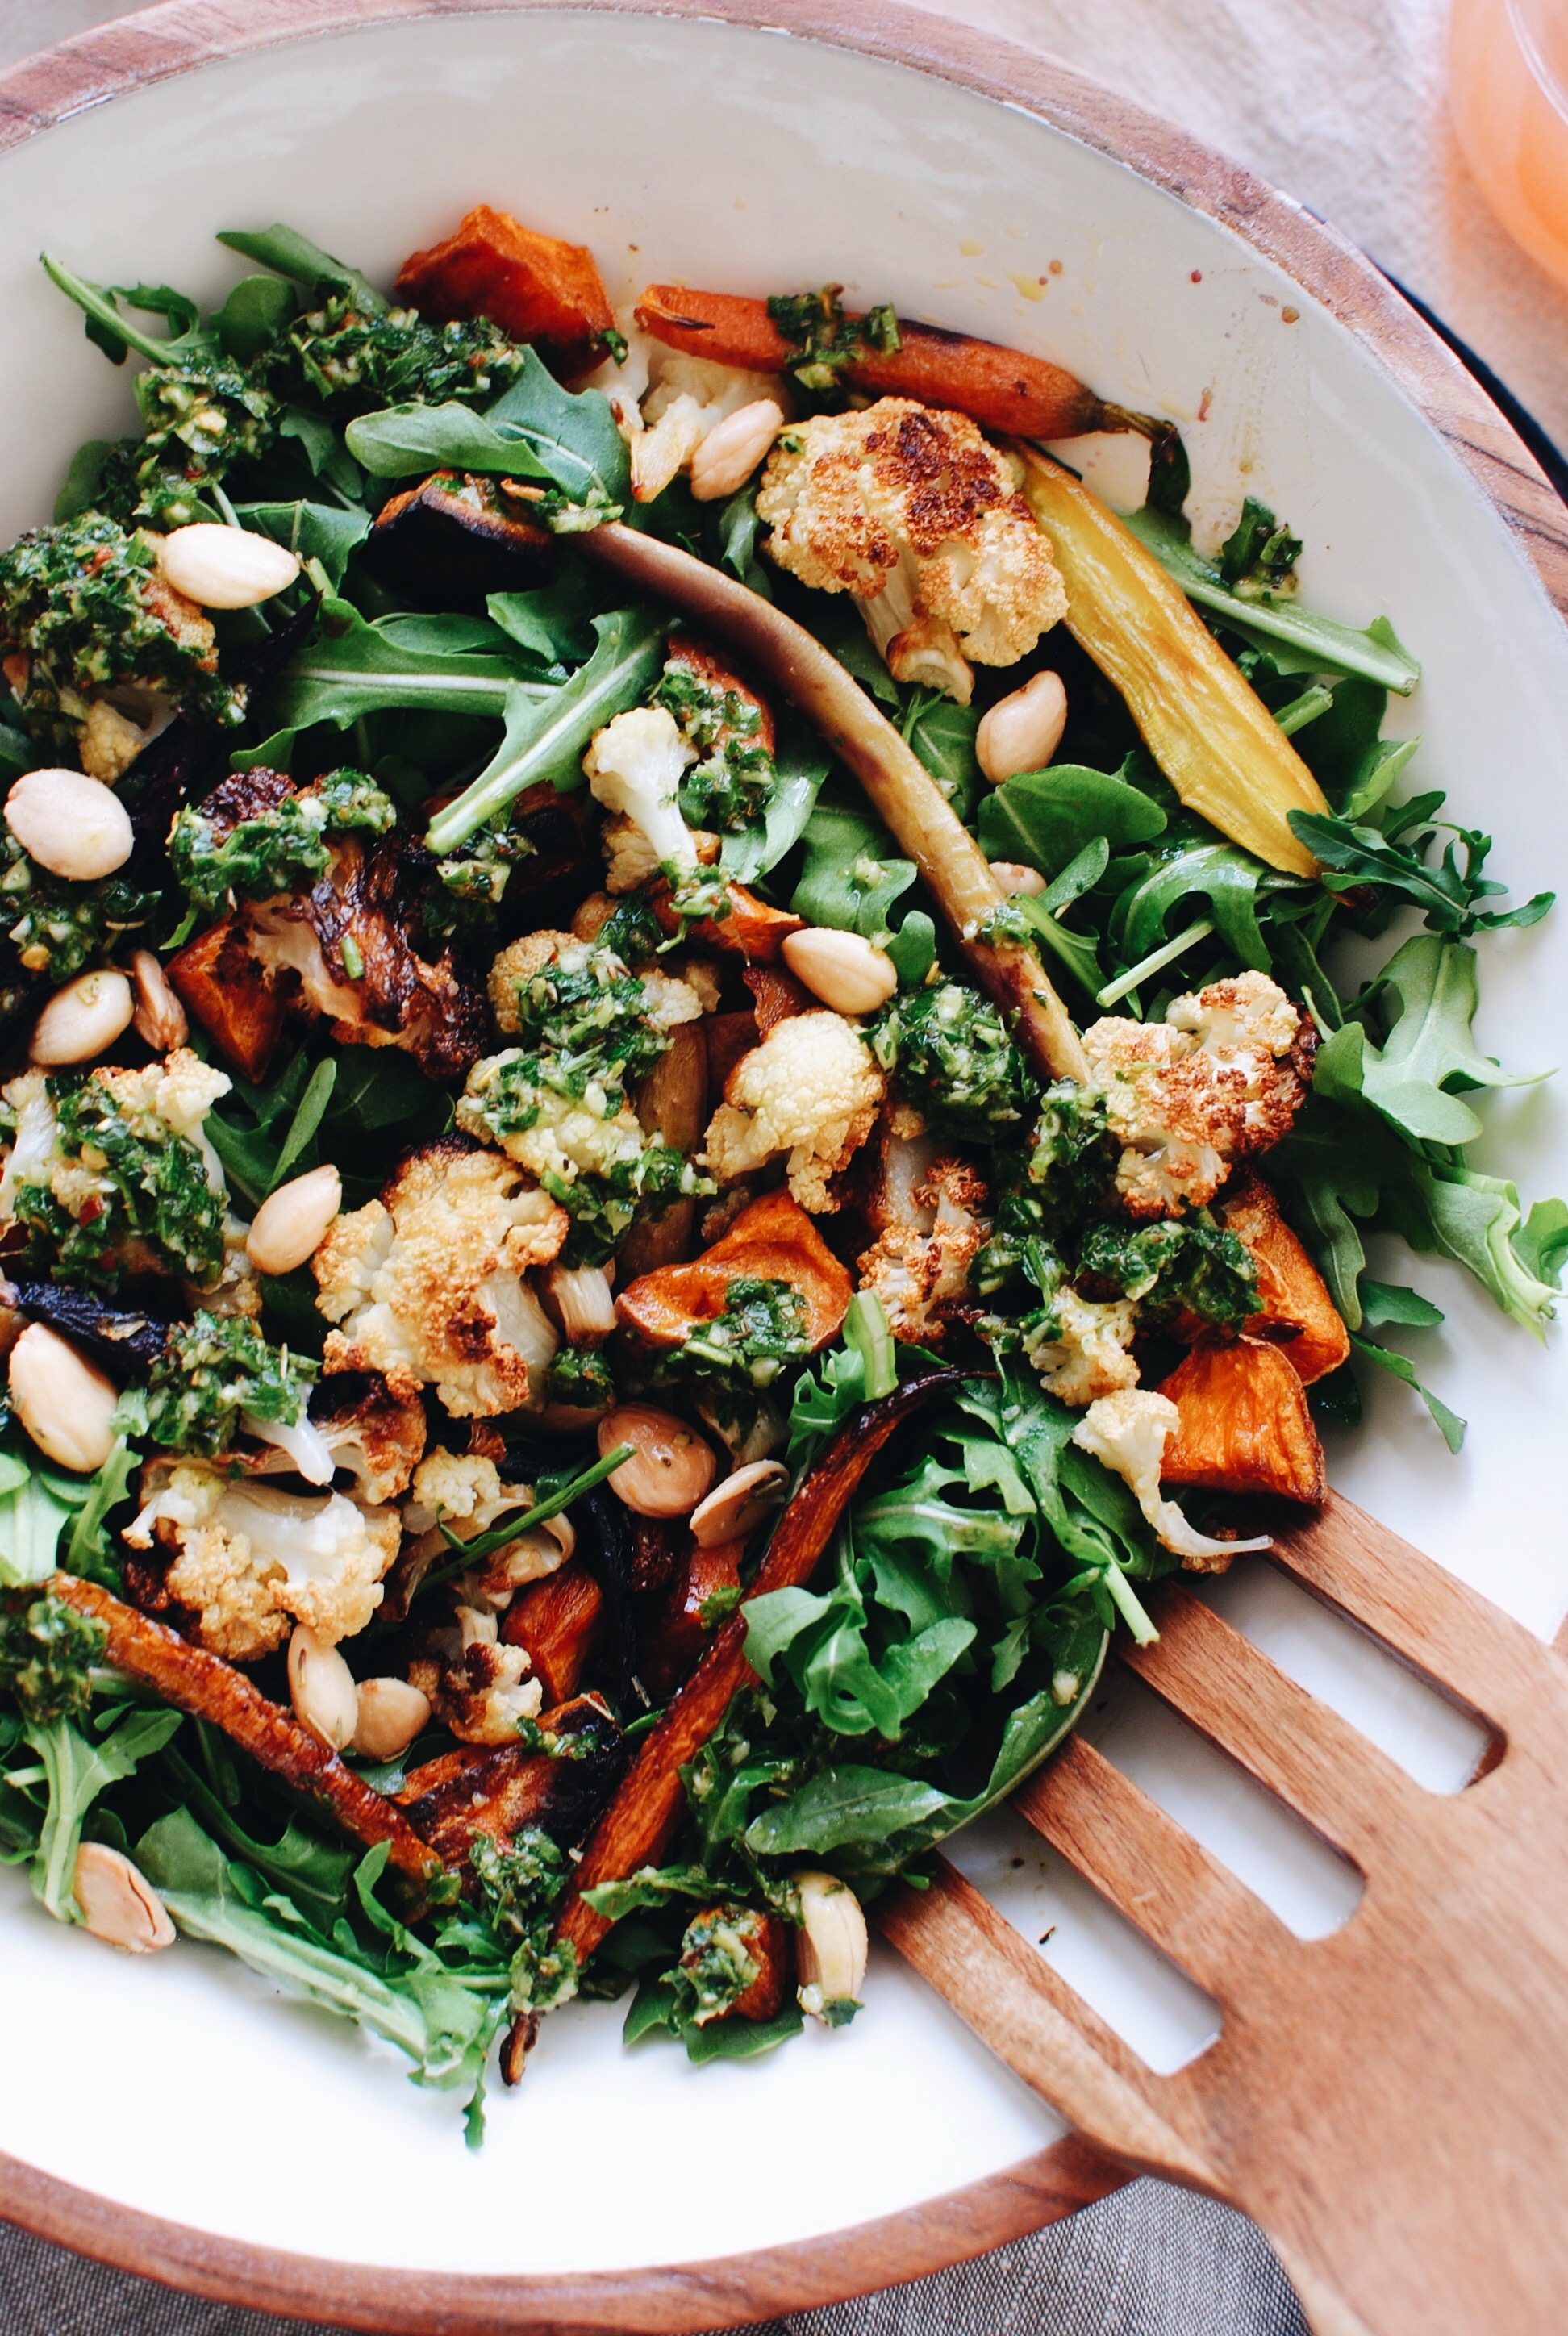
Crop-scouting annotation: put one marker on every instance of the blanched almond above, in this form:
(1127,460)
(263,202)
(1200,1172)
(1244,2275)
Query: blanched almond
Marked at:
(225,567)
(391,1714)
(83,1019)
(118,1903)
(734,1508)
(321,1689)
(160,1019)
(65,1402)
(840,968)
(832,1944)
(1023,730)
(671,1467)
(74,826)
(733,448)
(291,1223)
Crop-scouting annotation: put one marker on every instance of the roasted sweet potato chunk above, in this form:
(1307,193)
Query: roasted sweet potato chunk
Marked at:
(774,1239)
(559,1621)
(672,1101)
(752,930)
(1244,1424)
(537,287)
(1291,1287)
(768,1942)
(236,1001)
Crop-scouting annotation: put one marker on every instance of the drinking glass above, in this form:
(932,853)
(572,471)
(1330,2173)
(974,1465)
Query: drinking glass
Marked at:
(1508,87)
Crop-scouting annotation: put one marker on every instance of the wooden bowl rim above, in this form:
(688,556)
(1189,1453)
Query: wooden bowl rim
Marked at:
(134,53)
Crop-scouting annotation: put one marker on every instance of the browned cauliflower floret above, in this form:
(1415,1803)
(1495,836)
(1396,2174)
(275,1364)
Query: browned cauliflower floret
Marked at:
(635,767)
(378,1436)
(465,1493)
(1187,1097)
(812,1090)
(920,1264)
(481,1690)
(250,1560)
(427,1282)
(1080,1348)
(1127,1432)
(915,513)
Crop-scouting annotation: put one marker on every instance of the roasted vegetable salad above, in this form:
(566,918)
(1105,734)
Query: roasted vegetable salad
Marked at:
(681,1103)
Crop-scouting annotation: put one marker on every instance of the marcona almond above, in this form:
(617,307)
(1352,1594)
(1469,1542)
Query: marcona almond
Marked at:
(578,1296)
(391,1714)
(1014,877)
(321,1689)
(292,1223)
(225,567)
(65,1402)
(118,1903)
(160,1019)
(840,968)
(831,1945)
(671,1467)
(734,1508)
(83,1019)
(1022,731)
(733,448)
(74,826)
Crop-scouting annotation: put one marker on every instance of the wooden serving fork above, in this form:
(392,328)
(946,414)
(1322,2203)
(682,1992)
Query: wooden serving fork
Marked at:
(1390,2102)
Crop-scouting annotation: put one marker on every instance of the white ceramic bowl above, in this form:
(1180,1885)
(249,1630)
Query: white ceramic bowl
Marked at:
(996,192)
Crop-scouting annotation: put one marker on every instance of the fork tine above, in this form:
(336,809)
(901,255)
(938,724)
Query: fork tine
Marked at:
(1480,1656)
(1030,2017)
(1153,1871)
(1300,1750)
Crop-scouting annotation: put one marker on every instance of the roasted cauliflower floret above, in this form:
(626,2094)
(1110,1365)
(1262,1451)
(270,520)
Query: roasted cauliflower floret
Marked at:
(1127,1432)
(1080,1348)
(919,1267)
(426,1282)
(481,1690)
(812,1090)
(465,1493)
(635,766)
(1187,1097)
(911,511)
(250,1560)
(666,404)
(114,1174)
(377,1436)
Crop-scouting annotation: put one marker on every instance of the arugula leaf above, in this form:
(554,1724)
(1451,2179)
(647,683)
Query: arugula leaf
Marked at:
(321,532)
(1224,873)
(358,668)
(115,333)
(844,1805)
(289,253)
(35,1503)
(407,441)
(1542,1242)
(547,732)
(943,737)
(252,316)
(1447,895)
(551,623)
(853,875)
(800,763)
(1430,1043)
(89,1552)
(77,1771)
(1325,647)
(1452,1427)
(1386,1301)
(573,434)
(1045,819)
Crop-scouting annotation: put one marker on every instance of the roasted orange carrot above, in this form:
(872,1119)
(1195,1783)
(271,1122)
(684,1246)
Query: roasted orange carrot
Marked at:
(640,1824)
(536,288)
(203,1684)
(999,388)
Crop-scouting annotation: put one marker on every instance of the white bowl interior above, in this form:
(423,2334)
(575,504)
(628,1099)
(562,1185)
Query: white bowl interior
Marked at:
(760,162)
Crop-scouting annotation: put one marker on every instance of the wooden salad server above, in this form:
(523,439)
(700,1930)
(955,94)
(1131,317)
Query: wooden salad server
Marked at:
(1390,2102)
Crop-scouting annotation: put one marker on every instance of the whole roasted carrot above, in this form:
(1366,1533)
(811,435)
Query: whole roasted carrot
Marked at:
(999,388)
(640,1822)
(204,1685)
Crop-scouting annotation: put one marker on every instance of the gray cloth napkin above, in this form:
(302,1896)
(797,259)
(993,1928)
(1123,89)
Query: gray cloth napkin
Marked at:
(1148,2261)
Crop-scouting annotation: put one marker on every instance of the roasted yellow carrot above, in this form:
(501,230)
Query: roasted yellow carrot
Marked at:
(1210,733)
